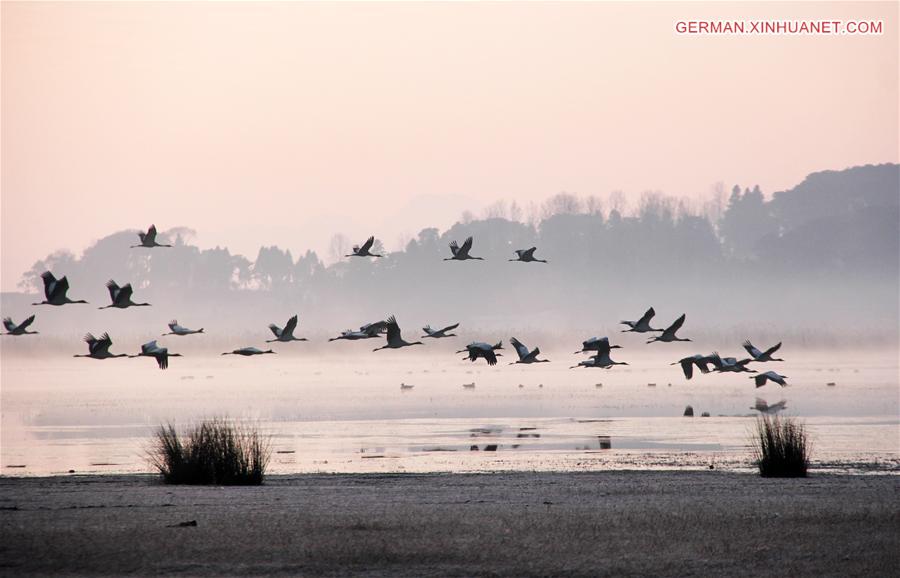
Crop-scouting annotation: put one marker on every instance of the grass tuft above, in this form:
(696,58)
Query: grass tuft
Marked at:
(781,447)
(214,452)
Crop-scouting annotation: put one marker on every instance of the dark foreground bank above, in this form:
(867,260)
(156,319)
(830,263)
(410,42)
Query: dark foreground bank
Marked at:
(605,523)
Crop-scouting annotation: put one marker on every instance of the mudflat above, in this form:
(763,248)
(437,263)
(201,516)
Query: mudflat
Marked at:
(523,524)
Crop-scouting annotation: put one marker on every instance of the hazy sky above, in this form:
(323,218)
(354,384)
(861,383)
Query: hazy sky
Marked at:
(285,123)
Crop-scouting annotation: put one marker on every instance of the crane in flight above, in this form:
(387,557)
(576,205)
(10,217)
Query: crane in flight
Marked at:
(21,328)
(668,335)
(461,253)
(761,378)
(55,290)
(394,339)
(148,239)
(526,356)
(99,348)
(642,325)
(121,296)
(160,354)
(287,333)
(687,364)
(527,256)
(439,333)
(248,351)
(364,249)
(484,350)
(176,329)
(762,356)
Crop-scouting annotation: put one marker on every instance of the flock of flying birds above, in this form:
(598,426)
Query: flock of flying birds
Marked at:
(55,293)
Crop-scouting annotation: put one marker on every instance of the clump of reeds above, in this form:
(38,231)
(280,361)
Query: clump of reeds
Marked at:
(216,451)
(781,447)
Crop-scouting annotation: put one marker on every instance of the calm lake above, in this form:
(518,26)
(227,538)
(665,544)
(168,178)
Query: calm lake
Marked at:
(327,415)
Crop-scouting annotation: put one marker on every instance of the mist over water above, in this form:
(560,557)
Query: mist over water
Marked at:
(815,268)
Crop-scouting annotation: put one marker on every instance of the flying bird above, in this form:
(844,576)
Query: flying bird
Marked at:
(20,329)
(763,407)
(487,351)
(438,333)
(527,256)
(121,296)
(761,378)
(461,253)
(248,351)
(601,360)
(526,356)
(55,290)
(179,330)
(363,251)
(762,356)
(598,344)
(394,340)
(367,331)
(687,364)
(668,335)
(642,325)
(160,354)
(148,239)
(729,364)
(287,333)
(99,348)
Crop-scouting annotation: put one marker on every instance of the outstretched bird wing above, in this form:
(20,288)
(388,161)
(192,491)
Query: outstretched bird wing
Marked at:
(99,345)
(275,329)
(773,349)
(672,329)
(114,290)
(449,328)
(466,246)
(529,253)
(648,315)
(49,284)
(28,321)
(753,351)
(490,357)
(173,325)
(520,348)
(367,245)
(760,379)
(150,236)
(393,330)
(150,346)
(125,293)
(454,248)
(290,326)
(687,366)
(60,287)
(8,323)
(428,330)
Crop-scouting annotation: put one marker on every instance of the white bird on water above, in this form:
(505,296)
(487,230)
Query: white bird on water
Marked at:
(287,333)
(177,329)
(121,296)
(148,239)
(461,253)
(394,339)
(99,348)
(20,329)
(55,290)
(526,356)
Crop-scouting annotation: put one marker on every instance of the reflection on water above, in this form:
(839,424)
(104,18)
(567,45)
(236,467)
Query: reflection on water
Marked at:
(61,415)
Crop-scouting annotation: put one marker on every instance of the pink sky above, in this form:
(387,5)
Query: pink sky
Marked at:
(278,123)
